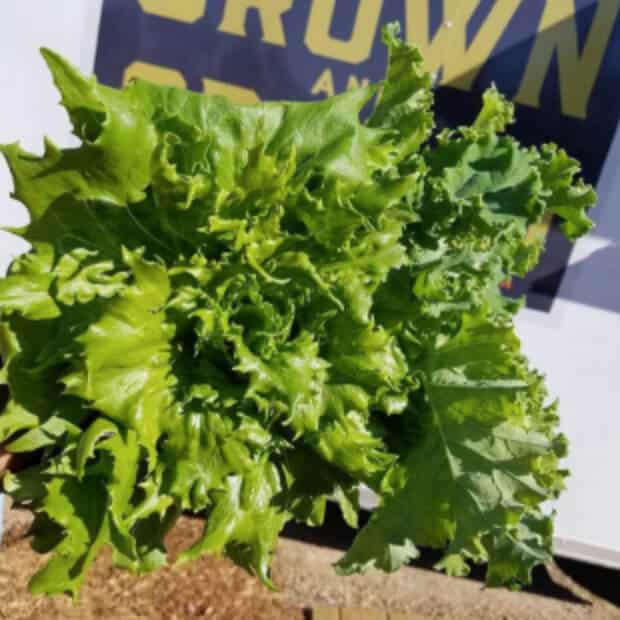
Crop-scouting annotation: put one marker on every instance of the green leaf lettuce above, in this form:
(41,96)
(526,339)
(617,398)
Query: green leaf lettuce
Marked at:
(243,311)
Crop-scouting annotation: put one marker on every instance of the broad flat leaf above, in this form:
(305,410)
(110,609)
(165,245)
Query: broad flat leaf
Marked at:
(112,164)
(125,371)
(244,522)
(473,477)
(80,509)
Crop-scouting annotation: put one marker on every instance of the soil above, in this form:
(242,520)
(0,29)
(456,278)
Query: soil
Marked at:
(211,588)
(305,574)
(215,588)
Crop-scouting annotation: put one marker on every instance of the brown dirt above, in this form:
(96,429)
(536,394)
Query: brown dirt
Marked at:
(215,588)
(211,588)
(305,574)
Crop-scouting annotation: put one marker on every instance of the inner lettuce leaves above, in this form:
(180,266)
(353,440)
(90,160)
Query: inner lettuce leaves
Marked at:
(243,311)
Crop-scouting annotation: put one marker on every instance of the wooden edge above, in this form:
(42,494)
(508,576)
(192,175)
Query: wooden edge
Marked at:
(348,613)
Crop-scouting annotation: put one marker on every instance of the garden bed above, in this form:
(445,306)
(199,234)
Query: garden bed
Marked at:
(216,588)
(208,588)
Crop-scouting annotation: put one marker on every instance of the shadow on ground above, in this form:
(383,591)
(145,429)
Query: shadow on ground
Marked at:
(335,533)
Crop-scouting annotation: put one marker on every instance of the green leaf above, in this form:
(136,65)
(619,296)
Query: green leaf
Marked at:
(79,282)
(291,383)
(113,162)
(26,289)
(125,370)
(347,440)
(244,522)
(348,500)
(79,508)
(47,434)
(496,114)
(15,419)
(472,475)
(565,196)
(404,105)
(98,430)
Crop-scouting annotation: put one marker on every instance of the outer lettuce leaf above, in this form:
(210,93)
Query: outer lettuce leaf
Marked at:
(244,311)
(473,477)
(404,105)
(125,371)
(112,164)
(81,510)
(244,521)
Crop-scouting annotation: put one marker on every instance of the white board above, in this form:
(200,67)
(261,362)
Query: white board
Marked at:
(577,345)
(29,106)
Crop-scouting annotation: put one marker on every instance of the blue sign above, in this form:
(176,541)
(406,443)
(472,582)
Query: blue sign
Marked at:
(559,60)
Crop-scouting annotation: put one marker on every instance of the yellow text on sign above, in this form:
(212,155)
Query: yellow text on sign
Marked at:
(171,77)
(354,50)
(270,11)
(180,10)
(557,34)
(325,84)
(153,73)
(449,51)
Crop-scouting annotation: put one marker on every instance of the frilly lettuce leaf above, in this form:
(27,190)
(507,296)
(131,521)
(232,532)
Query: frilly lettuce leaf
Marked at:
(244,311)
(480,462)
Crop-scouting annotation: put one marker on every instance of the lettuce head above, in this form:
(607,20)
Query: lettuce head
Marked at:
(244,312)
